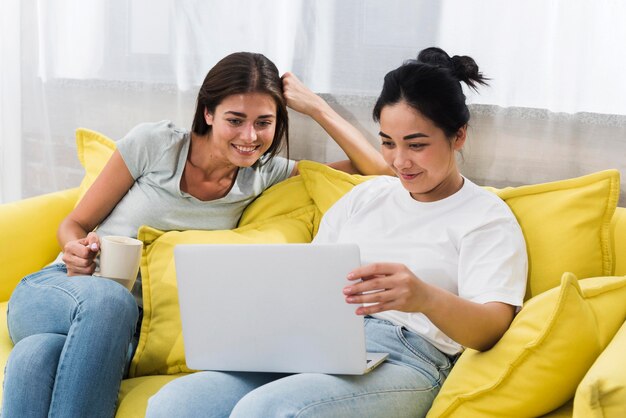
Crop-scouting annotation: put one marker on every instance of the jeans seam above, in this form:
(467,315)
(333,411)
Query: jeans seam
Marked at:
(9,331)
(61,367)
(417,353)
(362,395)
(29,283)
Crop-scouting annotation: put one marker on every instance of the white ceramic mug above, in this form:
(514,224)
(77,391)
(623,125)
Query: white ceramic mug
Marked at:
(119,259)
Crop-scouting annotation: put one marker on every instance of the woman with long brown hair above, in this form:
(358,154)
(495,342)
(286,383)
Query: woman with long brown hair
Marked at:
(73,331)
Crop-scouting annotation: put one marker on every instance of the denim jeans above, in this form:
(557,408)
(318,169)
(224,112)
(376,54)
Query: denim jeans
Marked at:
(403,386)
(71,337)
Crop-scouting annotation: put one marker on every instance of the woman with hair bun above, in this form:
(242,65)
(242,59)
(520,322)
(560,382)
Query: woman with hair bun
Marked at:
(444,267)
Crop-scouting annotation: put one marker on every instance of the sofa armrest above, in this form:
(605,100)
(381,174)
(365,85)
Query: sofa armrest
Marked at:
(618,237)
(28,238)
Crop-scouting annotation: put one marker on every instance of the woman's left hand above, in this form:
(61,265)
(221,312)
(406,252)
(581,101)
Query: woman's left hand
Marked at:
(387,286)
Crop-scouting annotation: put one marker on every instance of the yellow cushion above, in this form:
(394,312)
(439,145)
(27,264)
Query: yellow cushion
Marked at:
(618,237)
(94,150)
(565,411)
(540,360)
(280,199)
(6,345)
(325,184)
(566,225)
(607,298)
(160,349)
(134,394)
(602,392)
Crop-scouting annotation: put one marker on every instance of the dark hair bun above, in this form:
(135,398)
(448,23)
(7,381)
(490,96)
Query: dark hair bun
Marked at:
(464,68)
(435,56)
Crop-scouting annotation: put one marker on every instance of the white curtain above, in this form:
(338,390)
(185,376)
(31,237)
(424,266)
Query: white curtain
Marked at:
(560,55)
(110,64)
(10,101)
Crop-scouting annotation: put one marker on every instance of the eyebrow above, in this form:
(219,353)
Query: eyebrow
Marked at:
(243,115)
(410,136)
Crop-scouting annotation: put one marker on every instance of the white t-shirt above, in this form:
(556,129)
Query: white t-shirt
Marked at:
(469,244)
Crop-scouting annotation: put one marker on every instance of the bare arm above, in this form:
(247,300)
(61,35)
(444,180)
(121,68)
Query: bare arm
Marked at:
(79,244)
(474,325)
(364,158)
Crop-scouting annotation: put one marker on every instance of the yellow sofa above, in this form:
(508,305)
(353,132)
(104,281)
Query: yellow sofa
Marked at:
(570,223)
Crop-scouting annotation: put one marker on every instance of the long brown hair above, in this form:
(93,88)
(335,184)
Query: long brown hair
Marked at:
(238,73)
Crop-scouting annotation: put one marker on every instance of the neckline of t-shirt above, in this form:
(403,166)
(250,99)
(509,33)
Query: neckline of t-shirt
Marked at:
(182,159)
(407,200)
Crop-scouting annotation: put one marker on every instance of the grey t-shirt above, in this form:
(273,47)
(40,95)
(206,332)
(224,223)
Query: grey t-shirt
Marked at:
(155,154)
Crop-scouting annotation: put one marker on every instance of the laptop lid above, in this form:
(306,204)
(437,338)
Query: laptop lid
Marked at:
(269,308)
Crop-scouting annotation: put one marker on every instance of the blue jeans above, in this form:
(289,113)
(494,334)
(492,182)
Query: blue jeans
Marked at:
(71,337)
(404,386)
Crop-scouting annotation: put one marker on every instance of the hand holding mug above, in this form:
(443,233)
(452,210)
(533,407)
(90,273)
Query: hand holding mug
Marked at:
(119,259)
(80,255)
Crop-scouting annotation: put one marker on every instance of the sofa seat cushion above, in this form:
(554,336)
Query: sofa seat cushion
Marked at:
(134,394)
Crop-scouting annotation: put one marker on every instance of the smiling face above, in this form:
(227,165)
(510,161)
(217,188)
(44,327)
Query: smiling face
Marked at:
(242,128)
(419,153)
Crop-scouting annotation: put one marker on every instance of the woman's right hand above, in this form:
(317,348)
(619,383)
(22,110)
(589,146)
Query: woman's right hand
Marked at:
(80,255)
(111,185)
(299,97)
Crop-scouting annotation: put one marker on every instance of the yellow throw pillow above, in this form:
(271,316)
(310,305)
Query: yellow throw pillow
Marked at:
(541,359)
(325,184)
(566,225)
(280,199)
(160,349)
(602,393)
(607,298)
(94,150)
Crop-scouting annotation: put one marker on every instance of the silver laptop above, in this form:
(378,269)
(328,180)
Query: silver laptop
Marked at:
(270,308)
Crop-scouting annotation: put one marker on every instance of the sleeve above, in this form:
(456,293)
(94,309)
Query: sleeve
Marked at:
(275,170)
(142,146)
(493,264)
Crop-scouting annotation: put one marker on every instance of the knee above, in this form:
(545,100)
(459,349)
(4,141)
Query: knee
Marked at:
(35,359)
(257,405)
(111,301)
(165,403)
